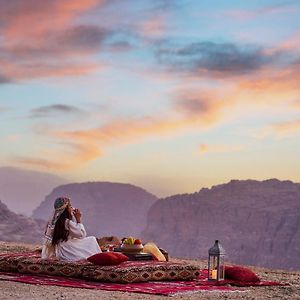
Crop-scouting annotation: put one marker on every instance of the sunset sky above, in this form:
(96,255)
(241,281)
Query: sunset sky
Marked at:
(169,95)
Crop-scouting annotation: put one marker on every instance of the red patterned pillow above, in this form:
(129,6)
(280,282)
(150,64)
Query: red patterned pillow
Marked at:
(240,274)
(107,258)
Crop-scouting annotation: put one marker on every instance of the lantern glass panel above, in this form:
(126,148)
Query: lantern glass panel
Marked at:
(213,263)
(221,275)
(216,267)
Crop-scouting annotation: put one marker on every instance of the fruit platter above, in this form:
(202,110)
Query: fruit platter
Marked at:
(132,245)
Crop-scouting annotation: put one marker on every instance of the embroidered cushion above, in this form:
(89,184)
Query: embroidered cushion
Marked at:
(141,271)
(36,265)
(9,261)
(107,258)
(240,274)
(129,271)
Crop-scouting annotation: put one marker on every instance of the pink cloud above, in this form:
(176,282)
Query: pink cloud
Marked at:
(281,129)
(31,18)
(191,108)
(296,103)
(38,163)
(73,156)
(292,43)
(13,138)
(283,8)
(154,27)
(4,109)
(37,36)
(82,146)
(219,148)
(19,72)
(273,84)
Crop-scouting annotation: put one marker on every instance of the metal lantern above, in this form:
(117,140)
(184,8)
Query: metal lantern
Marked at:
(216,262)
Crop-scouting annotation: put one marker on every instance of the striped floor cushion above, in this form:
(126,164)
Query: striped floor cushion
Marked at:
(141,271)
(126,272)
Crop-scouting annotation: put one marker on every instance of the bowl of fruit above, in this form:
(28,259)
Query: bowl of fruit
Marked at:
(132,245)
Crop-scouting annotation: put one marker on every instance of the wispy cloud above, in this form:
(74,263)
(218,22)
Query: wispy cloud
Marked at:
(216,59)
(82,37)
(12,138)
(207,80)
(73,156)
(72,40)
(292,43)
(279,8)
(200,108)
(154,26)
(4,79)
(83,146)
(219,148)
(3,109)
(43,39)
(32,19)
(39,163)
(296,103)
(19,71)
(54,110)
(281,129)
(49,39)
(273,83)
(204,105)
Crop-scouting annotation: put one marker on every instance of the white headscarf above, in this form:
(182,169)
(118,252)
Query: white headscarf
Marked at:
(60,205)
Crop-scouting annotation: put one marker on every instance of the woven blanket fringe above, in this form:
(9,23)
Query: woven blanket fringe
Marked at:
(183,293)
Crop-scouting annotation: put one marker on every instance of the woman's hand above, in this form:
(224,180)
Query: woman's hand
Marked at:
(77,215)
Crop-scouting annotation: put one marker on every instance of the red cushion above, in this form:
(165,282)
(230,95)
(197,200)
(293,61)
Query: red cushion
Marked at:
(107,258)
(240,274)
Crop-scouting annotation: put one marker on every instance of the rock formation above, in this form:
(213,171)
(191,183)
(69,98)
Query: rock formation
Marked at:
(17,228)
(258,223)
(107,208)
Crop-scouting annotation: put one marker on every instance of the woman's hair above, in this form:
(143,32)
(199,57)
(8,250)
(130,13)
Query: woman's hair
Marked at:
(60,233)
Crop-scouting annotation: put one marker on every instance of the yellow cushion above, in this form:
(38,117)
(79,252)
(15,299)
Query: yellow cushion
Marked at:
(153,249)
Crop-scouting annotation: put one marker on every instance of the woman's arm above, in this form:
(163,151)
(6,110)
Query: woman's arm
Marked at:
(75,227)
(76,230)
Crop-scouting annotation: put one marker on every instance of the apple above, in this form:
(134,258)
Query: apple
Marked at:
(137,242)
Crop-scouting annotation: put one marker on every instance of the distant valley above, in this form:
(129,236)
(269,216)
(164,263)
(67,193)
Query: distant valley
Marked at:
(257,222)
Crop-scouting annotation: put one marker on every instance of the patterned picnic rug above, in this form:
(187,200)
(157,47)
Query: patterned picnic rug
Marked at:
(167,288)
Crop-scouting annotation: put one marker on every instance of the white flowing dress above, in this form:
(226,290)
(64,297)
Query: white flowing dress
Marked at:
(78,246)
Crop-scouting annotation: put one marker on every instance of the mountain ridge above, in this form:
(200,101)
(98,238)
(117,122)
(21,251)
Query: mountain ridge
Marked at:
(108,208)
(18,228)
(257,221)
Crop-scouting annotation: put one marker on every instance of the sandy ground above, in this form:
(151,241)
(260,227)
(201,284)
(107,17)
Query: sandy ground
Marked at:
(14,290)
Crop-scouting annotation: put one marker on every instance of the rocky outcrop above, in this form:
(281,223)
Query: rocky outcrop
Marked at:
(258,223)
(17,228)
(107,208)
(23,190)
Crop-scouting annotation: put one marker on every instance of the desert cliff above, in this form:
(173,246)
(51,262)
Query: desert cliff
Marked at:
(258,223)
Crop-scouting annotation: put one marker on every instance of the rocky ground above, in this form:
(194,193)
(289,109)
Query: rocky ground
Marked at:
(14,290)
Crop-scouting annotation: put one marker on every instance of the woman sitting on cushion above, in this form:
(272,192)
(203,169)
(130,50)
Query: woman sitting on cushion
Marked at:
(65,236)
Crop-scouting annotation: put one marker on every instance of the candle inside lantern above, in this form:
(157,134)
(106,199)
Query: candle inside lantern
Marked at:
(213,274)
